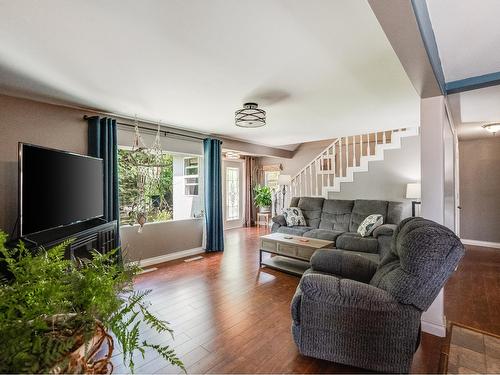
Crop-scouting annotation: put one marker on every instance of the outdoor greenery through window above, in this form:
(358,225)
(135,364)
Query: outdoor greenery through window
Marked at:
(145,186)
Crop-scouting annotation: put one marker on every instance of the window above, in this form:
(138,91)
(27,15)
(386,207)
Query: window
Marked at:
(143,187)
(271,179)
(232,193)
(191,175)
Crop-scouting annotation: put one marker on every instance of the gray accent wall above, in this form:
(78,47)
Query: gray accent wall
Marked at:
(479,174)
(386,179)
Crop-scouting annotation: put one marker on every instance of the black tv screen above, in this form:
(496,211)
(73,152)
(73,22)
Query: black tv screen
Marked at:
(57,188)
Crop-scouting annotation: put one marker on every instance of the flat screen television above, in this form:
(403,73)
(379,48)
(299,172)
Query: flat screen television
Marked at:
(57,188)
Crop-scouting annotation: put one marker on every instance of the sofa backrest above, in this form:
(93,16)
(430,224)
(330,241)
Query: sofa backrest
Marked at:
(396,212)
(346,215)
(423,256)
(311,209)
(336,214)
(363,208)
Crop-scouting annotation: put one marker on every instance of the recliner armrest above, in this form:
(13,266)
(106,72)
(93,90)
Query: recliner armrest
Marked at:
(384,230)
(348,293)
(280,219)
(343,264)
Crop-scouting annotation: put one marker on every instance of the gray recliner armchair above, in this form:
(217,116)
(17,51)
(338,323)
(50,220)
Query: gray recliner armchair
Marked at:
(348,309)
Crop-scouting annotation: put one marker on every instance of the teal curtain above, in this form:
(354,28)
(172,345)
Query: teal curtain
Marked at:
(102,143)
(213,195)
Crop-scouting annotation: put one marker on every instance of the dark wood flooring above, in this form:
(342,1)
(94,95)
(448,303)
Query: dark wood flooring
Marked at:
(230,316)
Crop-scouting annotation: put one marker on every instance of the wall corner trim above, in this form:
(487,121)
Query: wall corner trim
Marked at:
(434,329)
(495,245)
(168,257)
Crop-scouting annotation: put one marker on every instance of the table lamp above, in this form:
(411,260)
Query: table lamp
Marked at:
(413,192)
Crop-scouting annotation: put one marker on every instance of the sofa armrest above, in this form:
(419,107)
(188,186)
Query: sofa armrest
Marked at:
(348,293)
(343,264)
(280,219)
(384,230)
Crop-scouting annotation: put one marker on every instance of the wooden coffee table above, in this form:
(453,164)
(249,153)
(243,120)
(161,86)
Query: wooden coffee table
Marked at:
(291,253)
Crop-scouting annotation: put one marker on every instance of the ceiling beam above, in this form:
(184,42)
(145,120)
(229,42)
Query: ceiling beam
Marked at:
(473,83)
(399,23)
(427,33)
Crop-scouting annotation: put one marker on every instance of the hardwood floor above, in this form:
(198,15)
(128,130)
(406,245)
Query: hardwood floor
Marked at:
(472,295)
(229,316)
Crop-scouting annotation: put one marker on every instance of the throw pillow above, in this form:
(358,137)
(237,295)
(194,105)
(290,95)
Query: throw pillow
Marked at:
(369,224)
(293,216)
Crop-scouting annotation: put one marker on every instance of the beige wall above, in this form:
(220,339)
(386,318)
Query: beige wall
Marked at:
(42,124)
(386,179)
(63,128)
(304,154)
(162,238)
(480,189)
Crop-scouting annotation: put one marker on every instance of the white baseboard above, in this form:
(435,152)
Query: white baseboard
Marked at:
(172,256)
(495,245)
(433,328)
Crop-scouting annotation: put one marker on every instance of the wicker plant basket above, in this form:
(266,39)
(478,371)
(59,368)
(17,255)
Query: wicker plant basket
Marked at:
(92,357)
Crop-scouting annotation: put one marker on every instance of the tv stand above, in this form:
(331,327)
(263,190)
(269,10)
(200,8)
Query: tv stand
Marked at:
(95,234)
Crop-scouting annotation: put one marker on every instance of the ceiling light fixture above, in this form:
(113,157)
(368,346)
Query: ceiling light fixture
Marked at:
(232,155)
(250,116)
(492,127)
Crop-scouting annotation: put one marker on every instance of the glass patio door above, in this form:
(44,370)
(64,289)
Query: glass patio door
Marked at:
(233,194)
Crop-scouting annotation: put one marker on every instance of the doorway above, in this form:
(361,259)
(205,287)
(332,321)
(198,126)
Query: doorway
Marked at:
(233,194)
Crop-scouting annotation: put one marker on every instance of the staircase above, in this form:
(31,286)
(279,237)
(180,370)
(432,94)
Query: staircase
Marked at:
(342,159)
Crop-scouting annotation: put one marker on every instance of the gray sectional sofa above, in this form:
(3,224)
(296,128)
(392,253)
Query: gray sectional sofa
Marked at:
(338,220)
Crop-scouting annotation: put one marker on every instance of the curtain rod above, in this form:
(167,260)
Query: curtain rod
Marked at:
(165,132)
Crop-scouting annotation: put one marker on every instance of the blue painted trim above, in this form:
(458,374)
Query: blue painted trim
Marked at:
(425,26)
(472,83)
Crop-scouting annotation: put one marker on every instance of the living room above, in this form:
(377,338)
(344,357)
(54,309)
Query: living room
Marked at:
(234,187)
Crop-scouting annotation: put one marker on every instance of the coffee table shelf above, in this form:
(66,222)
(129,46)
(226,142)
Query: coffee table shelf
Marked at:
(291,253)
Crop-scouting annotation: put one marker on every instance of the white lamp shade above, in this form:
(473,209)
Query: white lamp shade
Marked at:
(413,191)
(284,179)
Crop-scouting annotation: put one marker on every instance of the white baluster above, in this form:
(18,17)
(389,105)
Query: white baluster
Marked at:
(360,146)
(355,163)
(341,156)
(333,162)
(384,140)
(310,180)
(369,145)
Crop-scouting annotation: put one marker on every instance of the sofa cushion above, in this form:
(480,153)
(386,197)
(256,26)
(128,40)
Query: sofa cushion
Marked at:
(323,234)
(311,209)
(397,211)
(294,201)
(363,208)
(355,242)
(297,230)
(336,214)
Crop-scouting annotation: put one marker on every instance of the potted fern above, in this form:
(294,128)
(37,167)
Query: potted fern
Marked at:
(57,316)
(263,198)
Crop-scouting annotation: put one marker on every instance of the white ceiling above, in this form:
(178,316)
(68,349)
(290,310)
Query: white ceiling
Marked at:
(472,109)
(467,35)
(320,68)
